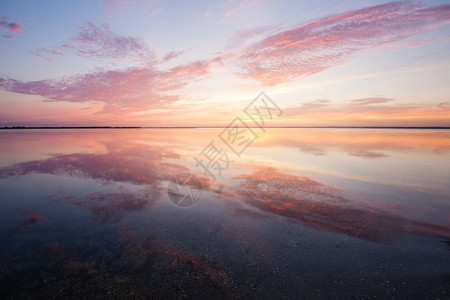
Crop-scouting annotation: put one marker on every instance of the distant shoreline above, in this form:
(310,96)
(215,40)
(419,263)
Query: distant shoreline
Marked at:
(216,127)
(70,127)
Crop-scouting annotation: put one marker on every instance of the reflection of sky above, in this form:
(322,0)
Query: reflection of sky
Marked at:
(404,183)
(91,206)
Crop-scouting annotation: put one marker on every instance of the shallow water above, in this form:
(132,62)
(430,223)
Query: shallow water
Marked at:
(300,213)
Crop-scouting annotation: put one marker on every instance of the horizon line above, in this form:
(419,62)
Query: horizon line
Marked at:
(219,127)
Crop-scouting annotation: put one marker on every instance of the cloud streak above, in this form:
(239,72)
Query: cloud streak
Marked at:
(236,7)
(376,111)
(124,91)
(99,41)
(173,54)
(323,43)
(133,89)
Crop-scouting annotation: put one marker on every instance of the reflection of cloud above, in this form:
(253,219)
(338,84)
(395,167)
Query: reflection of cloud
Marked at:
(363,143)
(317,205)
(326,42)
(138,165)
(29,219)
(110,207)
(113,206)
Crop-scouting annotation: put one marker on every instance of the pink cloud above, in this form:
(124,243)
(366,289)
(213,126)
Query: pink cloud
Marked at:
(11,28)
(323,43)
(123,91)
(99,41)
(376,111)
(48,54)
(15,27)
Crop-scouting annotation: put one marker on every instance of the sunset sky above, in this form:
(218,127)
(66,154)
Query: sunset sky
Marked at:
(199,63)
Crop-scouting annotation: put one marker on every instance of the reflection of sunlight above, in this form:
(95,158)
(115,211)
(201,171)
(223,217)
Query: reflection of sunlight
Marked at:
(376,143)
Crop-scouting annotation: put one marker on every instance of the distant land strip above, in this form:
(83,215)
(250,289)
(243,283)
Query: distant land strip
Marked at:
(67,127)
(213,127)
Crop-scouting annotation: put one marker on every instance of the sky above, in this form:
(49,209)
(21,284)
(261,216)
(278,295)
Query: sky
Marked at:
(200,63)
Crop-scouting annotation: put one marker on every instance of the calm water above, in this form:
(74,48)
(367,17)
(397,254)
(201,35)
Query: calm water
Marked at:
(302,213)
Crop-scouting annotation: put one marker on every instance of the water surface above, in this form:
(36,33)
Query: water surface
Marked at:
(301,213)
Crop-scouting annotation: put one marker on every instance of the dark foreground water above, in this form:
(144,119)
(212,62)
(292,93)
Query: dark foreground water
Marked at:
(301,213)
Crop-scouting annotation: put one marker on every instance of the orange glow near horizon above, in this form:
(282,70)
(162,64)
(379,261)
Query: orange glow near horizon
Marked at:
(347,65)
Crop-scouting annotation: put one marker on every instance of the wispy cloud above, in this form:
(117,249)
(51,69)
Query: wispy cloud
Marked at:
(99,41)
(140,88)
(376,111)
(236,6)
(121,92)
(323,43)
(173,54)
(368,101)
(250,35)
(48,54)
